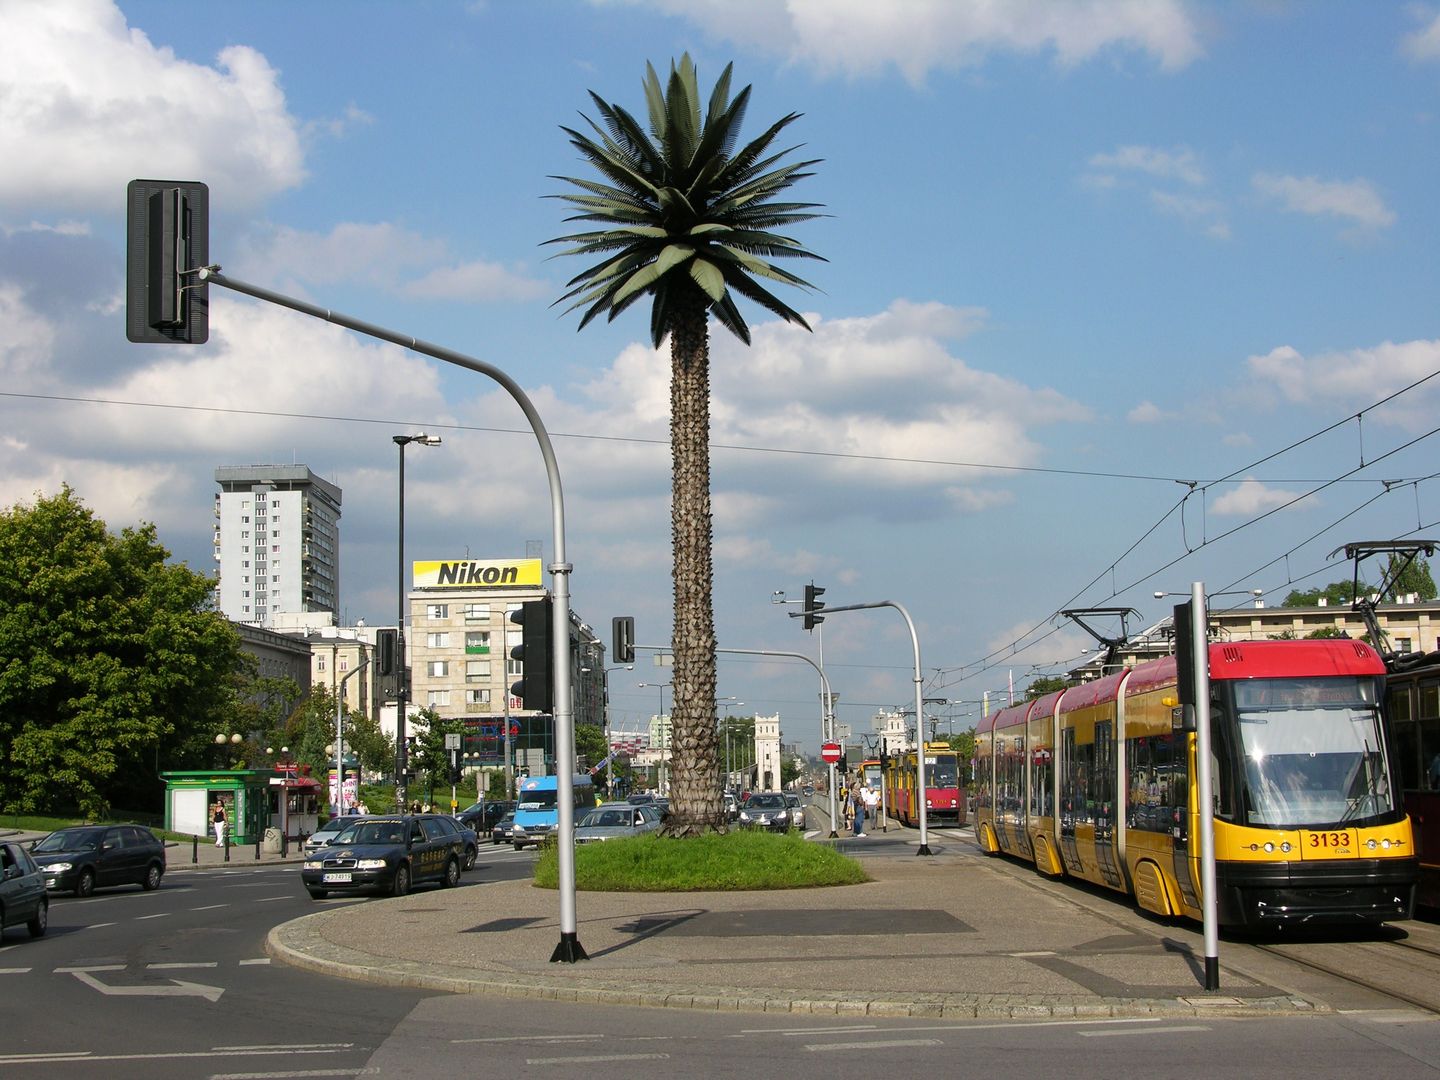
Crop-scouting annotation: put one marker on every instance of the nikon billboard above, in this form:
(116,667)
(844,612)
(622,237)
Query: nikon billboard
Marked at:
(478,574)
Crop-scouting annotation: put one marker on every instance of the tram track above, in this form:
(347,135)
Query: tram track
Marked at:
(1399,968)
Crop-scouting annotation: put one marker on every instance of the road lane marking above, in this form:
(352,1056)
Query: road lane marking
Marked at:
(282,1047)
(178,965)
(595,1058)
(267,899)
(176,988)
(174,1055)
(259,960)
(91,967)
(881,1044)
(97,926)
(161,915)
(13,971)
(531,1038)
(209,907)
(808,1031)
(1143,1031)
(294,1073)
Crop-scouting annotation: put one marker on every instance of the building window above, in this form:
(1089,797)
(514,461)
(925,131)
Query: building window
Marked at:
(244,534)
(1403,645)
(476,670)
(438,669)
(439,640)
(437,611)
(477,642)
(438,697)
(344,663)
(514,668)
(320,663)
(477,612)
(477,697)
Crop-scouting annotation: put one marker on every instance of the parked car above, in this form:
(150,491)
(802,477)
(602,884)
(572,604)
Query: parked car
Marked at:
(482,817)
(732,806)
(612,821)
(23,900)
(387,854)
(797,810)
(327,832)
(765,810)
(504,829)
(82,858)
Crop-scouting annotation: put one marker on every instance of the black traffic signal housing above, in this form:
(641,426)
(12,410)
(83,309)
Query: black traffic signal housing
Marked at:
(812,605)
(623,627)
(456,769)
(386,651)
(167,239)
(1185,653)
(535,688)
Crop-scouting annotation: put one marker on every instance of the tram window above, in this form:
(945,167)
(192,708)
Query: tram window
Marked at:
(1103,792)
(1222,753)
(1430,735)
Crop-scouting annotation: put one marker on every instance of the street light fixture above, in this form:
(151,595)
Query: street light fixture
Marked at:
(401,762)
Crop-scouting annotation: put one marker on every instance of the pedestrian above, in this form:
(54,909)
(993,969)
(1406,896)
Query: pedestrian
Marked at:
(220,824)
(859,810)
(872,804)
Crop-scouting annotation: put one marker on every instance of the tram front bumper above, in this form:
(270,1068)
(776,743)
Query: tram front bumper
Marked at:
(1299,893)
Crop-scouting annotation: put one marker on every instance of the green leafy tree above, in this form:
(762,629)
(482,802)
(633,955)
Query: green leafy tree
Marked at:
(590,746)
(963,743)
(110,656)
(1415,578)
(1336,594)
(1045,684)
(686,219)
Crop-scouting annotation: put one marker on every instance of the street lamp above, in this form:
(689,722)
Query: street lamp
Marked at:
(609,750)
(401,763)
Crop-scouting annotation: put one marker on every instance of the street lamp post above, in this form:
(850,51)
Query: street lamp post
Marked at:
(610,750)
(401,754)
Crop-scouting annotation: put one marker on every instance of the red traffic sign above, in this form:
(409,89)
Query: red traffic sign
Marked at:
(830,752)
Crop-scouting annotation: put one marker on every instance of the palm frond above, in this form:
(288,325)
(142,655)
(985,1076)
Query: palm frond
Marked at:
(708,276)
(728,316)
(754,292)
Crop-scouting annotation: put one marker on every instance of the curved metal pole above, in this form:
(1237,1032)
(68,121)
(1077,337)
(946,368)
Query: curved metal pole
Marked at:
(569,949)
(919,713)
(827,716)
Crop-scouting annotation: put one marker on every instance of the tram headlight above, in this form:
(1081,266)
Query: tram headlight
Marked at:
(1285,846)
(1269,847)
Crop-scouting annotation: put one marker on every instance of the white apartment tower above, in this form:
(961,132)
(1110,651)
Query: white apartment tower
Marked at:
(277,542)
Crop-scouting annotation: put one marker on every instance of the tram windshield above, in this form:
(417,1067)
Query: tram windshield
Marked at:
(941,771)
(1311,750)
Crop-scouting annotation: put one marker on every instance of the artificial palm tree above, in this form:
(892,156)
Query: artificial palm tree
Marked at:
(686,219)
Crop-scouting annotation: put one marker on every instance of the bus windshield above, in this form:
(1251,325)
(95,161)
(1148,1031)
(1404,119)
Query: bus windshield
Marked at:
(1311,751)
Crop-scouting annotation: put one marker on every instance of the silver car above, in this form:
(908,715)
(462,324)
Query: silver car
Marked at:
(327,832)
(797,810)
(611,821)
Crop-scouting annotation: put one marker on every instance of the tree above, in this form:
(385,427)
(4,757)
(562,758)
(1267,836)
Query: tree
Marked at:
(110,657)
(1415,578)
(1336,594)
(590,746)
(687,221)
(1045,684)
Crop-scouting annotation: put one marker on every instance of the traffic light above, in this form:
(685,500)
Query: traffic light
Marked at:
(1185,653)
(456,769)
(535,688)
(812,605)
(386,651)
(624,633)
(167,239)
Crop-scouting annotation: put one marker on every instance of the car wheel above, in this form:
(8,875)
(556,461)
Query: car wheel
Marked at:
(317,894)
(519,847)
(470,856)
(452,874)
(402,881)
(41,922)
(86,885)
(152,878)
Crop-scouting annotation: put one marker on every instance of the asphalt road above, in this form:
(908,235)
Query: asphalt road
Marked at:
(176,983)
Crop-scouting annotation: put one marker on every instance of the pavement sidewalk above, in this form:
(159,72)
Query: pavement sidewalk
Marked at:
(199,853)
(954,935)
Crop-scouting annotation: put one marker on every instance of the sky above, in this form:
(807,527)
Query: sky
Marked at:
(1118,295)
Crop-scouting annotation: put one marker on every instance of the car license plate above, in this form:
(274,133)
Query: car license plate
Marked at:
(336,879)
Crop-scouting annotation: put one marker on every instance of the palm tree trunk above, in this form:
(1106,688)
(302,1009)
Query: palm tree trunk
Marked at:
(695,804)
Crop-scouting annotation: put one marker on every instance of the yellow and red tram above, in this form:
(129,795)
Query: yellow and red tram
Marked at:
(944,788)
(1096,782)
(1412,704)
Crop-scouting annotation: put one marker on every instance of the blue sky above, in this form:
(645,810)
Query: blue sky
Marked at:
(1080,256)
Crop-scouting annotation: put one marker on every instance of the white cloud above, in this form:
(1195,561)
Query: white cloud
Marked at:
(858,38)
(1355,200)
(1252,497)
(385,256)
(1147,412)
(28,338)
(1357,377)
(1178,164)
(1423,44)
(88,103)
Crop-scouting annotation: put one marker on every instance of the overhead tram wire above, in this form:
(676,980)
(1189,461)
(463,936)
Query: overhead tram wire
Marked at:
(1019,644)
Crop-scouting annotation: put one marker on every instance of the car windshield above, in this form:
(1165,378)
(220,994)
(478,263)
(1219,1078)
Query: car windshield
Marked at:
(71,840)
(766,802)
(373,832)
(609,818)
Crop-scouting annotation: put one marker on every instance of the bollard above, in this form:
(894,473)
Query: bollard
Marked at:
(257,845)
(194,849)
(284,845)
(226,835)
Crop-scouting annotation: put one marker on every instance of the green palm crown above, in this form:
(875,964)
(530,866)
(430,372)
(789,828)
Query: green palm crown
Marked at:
(687,219)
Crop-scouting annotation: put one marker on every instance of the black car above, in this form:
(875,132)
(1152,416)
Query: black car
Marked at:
(82,858)
(22,891)
(482,817)
(388,854)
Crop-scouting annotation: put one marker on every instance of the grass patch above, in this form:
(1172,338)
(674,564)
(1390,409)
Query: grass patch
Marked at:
(738,860)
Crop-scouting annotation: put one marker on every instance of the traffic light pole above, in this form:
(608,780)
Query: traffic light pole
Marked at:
(569,949)
(919,703)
